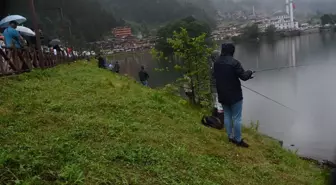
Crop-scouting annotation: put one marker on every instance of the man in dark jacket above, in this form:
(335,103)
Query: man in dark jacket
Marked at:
(117,67)
(333,177)
(101,61)
(228,72)
(143,75)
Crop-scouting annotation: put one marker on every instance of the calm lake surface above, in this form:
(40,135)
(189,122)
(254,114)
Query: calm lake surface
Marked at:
(309,89)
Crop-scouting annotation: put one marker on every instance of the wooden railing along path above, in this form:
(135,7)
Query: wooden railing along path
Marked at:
(16,61)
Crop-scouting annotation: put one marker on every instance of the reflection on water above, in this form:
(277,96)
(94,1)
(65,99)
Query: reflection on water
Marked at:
(131,63)
(307,88)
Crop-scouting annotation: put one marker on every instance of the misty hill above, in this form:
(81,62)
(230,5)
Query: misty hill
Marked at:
(303,6)
(73,20)
(159,11)
(88,20)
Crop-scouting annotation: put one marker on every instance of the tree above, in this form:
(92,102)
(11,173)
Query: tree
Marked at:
(158,12)
(270,31)
(328,19)
(74,20)
(193,54)
(251,32)
(144,30)
(194,28)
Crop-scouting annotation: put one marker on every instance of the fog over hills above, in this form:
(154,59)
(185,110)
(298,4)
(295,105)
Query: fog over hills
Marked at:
(303,6)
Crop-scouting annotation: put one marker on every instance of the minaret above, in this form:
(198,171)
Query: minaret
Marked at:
(291,13)
(253,11)
(287,7)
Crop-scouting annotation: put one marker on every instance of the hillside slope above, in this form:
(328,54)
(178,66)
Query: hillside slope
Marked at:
(76,124)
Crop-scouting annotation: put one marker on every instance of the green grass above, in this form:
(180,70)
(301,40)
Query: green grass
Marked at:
(76,124)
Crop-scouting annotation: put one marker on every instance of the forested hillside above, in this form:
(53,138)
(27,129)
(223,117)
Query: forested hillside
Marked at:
(159,11)
(87,20)
(75,20)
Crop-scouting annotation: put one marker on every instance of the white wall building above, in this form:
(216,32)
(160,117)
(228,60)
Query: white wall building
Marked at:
(281,20)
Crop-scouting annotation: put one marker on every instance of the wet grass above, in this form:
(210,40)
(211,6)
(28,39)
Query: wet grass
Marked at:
(76,124)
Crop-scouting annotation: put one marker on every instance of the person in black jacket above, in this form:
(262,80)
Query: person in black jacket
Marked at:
(101,61)
(228,72)
(117,67)
(143,75)
(333,177)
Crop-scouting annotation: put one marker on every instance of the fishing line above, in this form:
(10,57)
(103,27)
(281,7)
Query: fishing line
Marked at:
(268,98)
(279,68)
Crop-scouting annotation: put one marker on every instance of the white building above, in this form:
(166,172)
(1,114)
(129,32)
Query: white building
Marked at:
(281,20)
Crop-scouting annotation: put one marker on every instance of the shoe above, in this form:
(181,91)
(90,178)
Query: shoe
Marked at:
(232,141)
(242,144)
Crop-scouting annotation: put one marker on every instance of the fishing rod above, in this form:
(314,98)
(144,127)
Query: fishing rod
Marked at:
(268,98)
(279,68)
(264,96)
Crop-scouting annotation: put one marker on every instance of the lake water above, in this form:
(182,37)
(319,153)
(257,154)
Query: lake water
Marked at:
(309,90)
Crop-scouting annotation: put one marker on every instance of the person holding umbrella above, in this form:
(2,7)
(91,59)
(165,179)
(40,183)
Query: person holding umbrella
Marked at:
(12,36)
(13,39)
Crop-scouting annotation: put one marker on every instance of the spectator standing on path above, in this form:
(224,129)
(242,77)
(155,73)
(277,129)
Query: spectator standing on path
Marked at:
(2,53)
(116,67)
(228,72)
(12,36)
(143,75)
(13,39)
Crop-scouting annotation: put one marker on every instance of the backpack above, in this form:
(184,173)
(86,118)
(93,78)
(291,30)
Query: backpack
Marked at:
(213,122)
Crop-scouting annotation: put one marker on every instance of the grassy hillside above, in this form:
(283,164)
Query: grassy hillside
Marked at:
(76,124)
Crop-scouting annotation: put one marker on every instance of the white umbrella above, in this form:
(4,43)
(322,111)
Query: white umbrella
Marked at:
(18,18)
(25,31)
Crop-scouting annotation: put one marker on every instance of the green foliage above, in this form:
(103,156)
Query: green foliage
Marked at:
(194,54)
(194,28)
(251,32)
(77,124)
(328,19)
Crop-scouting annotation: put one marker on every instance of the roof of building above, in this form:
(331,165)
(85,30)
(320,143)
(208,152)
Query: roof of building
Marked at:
(279,13)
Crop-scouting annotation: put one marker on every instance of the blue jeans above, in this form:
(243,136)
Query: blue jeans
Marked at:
(145,83)
(233,115)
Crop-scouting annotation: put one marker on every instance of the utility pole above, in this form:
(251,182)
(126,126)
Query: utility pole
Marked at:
(37,32)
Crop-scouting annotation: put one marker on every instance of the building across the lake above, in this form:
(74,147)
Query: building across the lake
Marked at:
(122,32)
(281,20)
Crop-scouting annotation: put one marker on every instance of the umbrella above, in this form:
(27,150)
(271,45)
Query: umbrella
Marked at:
(25,31)
(55,42)
(18,18)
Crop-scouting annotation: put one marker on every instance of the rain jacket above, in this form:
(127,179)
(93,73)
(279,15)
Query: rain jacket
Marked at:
(228,72)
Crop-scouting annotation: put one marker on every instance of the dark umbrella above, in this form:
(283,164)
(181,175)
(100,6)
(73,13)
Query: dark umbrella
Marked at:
(55,42)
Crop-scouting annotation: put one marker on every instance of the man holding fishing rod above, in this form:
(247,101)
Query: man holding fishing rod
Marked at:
(228,72)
